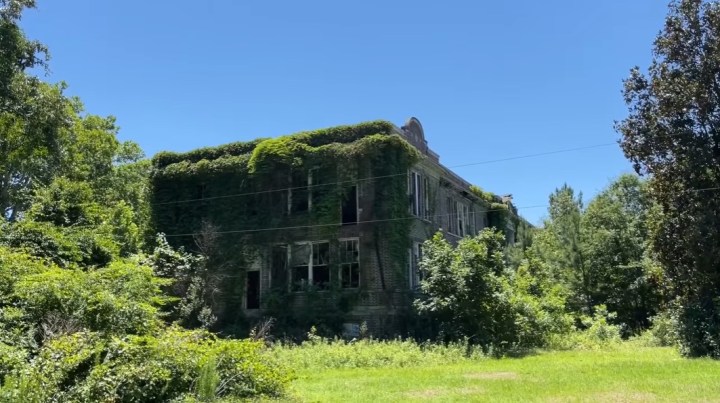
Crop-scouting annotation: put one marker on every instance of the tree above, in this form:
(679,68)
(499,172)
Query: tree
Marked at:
(600,253)
(469,292)
(672,134)
(620,263)
(560,244)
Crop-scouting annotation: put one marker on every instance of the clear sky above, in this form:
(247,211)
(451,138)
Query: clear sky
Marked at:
(487,79)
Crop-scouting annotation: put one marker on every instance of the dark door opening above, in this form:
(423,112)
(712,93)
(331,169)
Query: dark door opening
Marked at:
(350,207)
(252,295)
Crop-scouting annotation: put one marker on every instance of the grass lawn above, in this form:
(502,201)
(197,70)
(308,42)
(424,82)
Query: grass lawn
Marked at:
(627,375)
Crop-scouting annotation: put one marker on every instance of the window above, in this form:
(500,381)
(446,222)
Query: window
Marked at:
(299,195)
(415,274)
(350,206)
(452,213)
(310,265)
(349,263)
(415,191)
(463,213)
(426,198)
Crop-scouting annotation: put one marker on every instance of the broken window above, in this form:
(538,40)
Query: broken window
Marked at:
(310,265)
(349,263)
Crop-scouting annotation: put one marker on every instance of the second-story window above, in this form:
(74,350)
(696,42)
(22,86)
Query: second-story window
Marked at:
(415,191)
(426,198)
(349,208)
(299,194)
(463,213)
(451,216)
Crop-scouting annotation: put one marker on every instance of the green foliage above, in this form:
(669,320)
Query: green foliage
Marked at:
(72,335)
(671,134)
(601,254)
(119,299)
(471,294)
(323,353)
(66,247)
(66,203)
(338,157)
(190,282)
(88,367)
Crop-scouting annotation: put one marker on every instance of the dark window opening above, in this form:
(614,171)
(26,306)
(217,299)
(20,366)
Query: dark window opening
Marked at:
(350,207)
(278,273)
(299,192)
(252,295)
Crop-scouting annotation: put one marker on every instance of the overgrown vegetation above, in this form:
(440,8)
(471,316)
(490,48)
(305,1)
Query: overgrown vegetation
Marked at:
(295,182)
(672,135)
(95,306)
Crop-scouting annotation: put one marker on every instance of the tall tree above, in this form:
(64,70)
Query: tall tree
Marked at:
(615,244)
(33,115)
(672,134)
(560,244)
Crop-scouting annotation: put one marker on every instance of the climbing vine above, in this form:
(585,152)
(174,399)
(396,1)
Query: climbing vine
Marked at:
(248,190)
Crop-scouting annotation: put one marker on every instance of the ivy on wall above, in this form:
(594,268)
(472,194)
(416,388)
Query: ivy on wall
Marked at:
(241,189)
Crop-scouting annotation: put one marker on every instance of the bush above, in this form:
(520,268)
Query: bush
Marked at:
(598,333)
(470,293)
(172,365)
(119,299)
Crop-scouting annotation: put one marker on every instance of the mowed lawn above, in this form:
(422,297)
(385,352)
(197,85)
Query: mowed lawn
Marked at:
(627,375)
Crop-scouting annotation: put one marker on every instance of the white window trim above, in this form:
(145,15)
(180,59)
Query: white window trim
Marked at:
(415,182)
(414,255)
(291,267)
(358,263)
(309,189)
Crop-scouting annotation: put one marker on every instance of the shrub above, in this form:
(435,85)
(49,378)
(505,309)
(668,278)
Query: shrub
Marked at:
(172,365)
(119,299)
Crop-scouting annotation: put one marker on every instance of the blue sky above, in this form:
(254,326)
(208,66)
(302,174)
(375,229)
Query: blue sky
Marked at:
(488,80)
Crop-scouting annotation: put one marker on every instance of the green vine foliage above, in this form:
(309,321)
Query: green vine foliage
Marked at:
(257,175)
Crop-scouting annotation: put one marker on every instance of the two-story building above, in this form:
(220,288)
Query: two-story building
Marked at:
(344,209)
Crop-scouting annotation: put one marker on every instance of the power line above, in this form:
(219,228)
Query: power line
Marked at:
(287,228)
(373,178)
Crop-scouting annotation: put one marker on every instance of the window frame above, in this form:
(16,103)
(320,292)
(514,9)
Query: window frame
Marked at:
(342,263)
(414,272)
(311,265)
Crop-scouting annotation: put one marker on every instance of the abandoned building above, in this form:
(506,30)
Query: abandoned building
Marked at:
(342,210)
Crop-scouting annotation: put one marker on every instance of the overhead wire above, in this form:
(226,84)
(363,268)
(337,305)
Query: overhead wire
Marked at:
(293,227)
(373,178)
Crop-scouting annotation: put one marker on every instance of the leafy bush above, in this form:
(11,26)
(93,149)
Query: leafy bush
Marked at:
(598,333)
(470,293)
(174,364)
(64,247)
(119,299)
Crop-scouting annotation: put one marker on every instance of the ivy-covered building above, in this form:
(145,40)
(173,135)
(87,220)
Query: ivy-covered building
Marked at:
(324,225)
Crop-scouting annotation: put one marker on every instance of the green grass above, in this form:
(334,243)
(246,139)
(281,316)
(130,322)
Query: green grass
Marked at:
(627,374)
